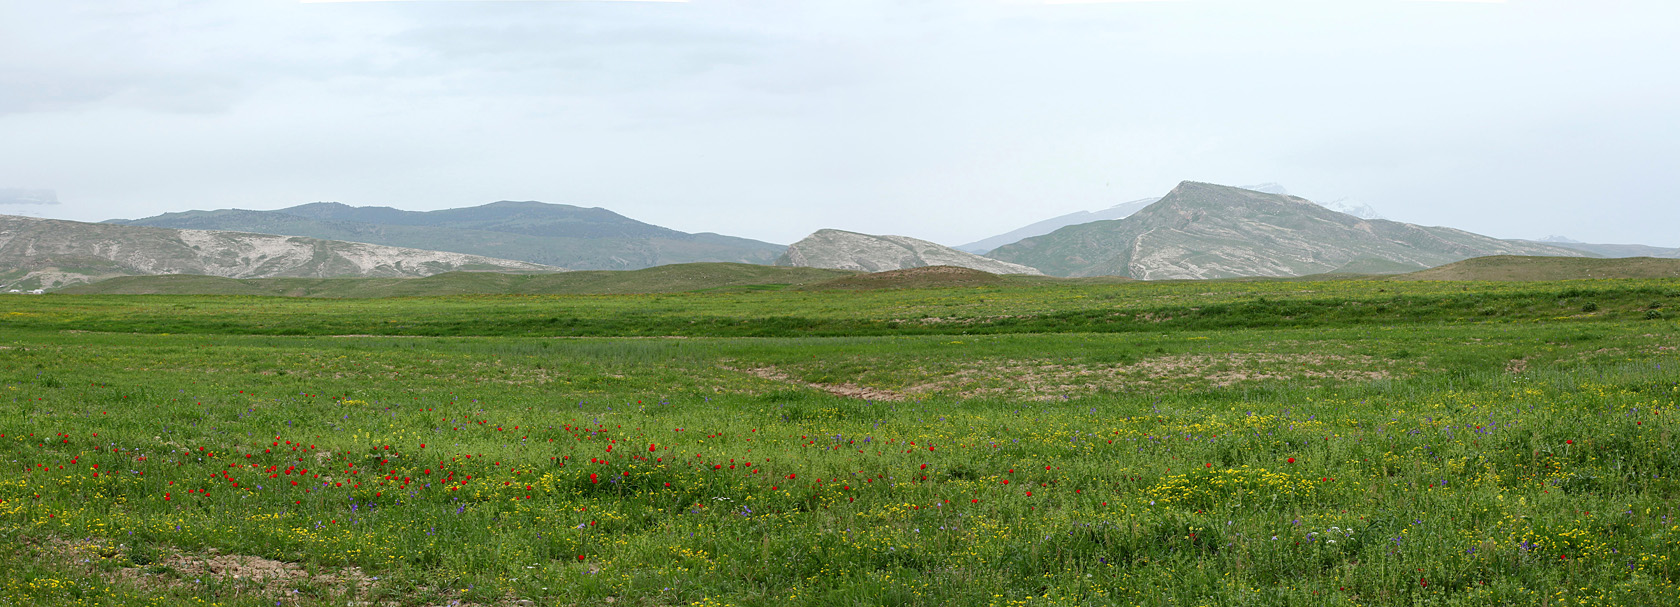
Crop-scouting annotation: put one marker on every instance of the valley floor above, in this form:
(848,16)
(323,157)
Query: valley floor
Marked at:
(1300,443)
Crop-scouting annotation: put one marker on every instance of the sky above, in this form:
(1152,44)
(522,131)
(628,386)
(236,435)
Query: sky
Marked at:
(948,120)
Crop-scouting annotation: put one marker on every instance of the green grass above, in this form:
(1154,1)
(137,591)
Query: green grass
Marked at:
(999,309)
(661,279)
(1056,457)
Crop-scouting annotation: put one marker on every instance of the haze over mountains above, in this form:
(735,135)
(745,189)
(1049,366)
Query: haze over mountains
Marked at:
(571,237)
(1119,211)
(50,253)
(1202,230)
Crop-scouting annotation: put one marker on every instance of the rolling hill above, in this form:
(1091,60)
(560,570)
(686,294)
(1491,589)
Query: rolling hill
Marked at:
(1201,230)
(560,235)
(51,253)
(844,250)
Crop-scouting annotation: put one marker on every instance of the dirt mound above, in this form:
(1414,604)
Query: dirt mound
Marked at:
(926,277)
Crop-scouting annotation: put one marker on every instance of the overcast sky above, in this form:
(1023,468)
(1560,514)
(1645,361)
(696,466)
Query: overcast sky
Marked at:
(949,120)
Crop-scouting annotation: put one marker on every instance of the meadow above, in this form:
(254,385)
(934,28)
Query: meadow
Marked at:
(1189,443)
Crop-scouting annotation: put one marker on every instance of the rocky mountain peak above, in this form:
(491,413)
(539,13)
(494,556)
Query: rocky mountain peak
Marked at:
(1204,230)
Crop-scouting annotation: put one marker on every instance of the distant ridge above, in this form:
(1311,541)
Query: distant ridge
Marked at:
(1203,230)
(560,235)
(51,253)
(1610,250)
(1515,268)
(1119,211)
(844,250)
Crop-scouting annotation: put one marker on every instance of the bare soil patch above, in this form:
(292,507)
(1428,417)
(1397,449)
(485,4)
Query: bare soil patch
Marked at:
(847,390)
(231,575)
(1046,380)
(1043,380)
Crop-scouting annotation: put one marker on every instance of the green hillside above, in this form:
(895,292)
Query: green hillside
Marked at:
(926,277)
(662,279)
(1375,265)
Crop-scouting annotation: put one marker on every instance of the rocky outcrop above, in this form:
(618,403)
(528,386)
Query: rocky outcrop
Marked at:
(51,253)
(842,250)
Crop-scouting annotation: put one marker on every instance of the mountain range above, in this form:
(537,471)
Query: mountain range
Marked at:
(1198,230)
(50,253)
(1202,230)
(571,237)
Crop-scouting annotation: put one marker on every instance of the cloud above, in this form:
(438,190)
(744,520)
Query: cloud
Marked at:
(356,1)
(23,196)
(944,119)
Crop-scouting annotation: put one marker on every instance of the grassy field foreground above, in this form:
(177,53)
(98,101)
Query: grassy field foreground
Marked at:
(1432,452)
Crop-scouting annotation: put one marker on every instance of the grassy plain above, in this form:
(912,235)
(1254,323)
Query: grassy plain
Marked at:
(1194,443)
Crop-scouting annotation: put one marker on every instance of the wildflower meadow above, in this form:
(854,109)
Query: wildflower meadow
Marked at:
(1229,443)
